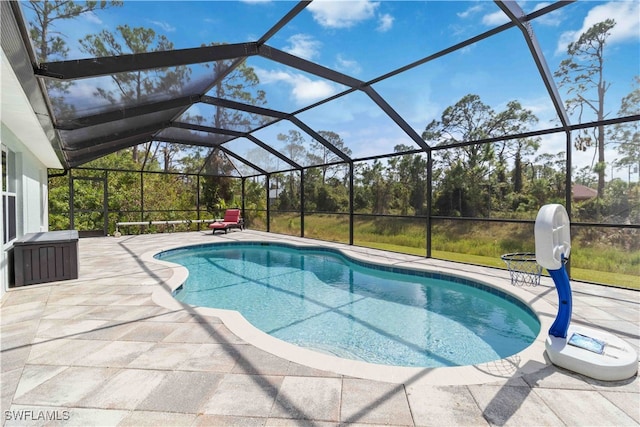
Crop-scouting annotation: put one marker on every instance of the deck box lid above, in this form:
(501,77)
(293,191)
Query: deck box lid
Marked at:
(47,236)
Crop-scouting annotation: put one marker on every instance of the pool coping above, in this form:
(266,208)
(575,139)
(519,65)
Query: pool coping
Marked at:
(529,360)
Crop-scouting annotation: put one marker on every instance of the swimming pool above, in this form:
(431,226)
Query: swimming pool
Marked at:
(317,298)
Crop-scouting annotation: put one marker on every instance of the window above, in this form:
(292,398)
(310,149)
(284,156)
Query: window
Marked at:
(8,196)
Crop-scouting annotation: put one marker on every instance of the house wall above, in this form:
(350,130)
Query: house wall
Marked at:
(31,195)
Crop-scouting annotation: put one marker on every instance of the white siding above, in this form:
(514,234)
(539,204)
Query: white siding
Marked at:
(31,189)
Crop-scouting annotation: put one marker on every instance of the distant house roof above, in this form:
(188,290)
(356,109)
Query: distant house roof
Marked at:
(581,192)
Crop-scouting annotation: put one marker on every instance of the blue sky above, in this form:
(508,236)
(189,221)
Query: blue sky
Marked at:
(366,39)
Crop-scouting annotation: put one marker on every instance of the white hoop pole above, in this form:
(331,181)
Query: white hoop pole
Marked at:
(553,245)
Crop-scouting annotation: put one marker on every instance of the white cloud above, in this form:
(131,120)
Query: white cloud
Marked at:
(422,112)
(496,18)
(564,40)
(471,11)
(303,89)
(457,30)
(385,22)
(551,19)
(542,107)
(270,76)
(348,66)
(92,17)
(342,14)
(82,92)
(164,26)
(627,23)
(303,45)
(306,90)
(499,17)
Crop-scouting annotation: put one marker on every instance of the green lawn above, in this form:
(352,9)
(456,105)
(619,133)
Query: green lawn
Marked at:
(468,242)
(581,274)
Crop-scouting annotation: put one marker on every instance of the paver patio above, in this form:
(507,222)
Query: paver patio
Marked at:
(100,351)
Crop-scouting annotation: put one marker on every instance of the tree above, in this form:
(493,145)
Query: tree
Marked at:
(627,135)
(548,174)
(217,185)
(51,44)
(514,120)
(584,176)
(399,185)
(466,166)
(193,162)
(136,87)
(322,155)
(468,120)
(583,75)
(240,83)
(237,82)
(294,147)
(295,151)
(410,173)
(375,187)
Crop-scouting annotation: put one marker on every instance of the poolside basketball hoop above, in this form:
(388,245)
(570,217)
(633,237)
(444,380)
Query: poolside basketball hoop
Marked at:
(595,353)
(523,268)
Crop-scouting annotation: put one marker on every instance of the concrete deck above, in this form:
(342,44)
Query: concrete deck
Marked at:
(110,349)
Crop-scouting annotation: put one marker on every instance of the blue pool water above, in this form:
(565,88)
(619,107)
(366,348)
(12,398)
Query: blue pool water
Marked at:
(319,299)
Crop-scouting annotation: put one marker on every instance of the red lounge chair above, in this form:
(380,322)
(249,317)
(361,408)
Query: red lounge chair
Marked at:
(232,219)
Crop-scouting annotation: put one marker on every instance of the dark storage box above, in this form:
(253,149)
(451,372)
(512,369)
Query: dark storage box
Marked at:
(46,257)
